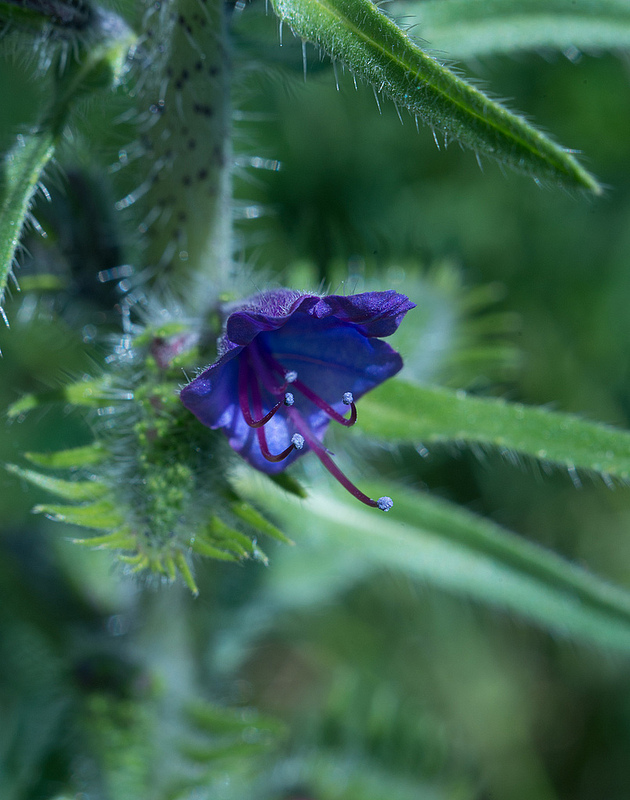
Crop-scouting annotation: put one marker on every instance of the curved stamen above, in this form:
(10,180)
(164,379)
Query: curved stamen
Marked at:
(281,456)
(263,371)
(321,403)
(297,441)
(243,398)
(383,503)
(291,377)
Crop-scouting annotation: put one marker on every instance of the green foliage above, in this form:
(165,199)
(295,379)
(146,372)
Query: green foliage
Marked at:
(374,48)
(473,28)
(451,548)
(150,482)
(428,652)
(403,412)
(97,62)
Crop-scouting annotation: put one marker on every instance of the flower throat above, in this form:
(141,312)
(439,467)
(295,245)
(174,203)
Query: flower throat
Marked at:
(259,366)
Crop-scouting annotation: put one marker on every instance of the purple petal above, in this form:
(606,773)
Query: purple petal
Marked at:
(331,342)
(375,313)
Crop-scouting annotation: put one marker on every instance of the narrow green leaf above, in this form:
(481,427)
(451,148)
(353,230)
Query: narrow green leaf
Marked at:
(102,515)
(204,547)
(97,62)
(228,537)
(184,571)
(68,490)
(69,459)
(119,540)
(403,411)
(93,393)
(289,484)
(467,29)
(21,173)
(374,48)
(253,517)
(42,283)
(459,552)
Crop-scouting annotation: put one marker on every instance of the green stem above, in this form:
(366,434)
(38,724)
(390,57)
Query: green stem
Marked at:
(186,191)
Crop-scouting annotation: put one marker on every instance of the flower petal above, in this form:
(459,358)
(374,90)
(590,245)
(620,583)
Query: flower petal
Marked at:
(330,342)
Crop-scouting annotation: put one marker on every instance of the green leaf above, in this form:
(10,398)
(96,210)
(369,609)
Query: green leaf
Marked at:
(93,393)
(97,62)
(72,458)
(102,515)
(374,48)
(68,490)
(467,29)
(289,484)
(253,517)
(402,411)
(457,551)
(21,173)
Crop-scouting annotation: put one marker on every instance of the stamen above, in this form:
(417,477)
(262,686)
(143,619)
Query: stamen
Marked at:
(297,442)
(243,398)
(291,377)
(383,503)
(269,456)
(289,399)
(321,403)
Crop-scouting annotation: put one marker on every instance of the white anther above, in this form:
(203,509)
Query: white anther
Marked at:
(289,399)
(297,440)
(290,376)
(384,503)
(348,398)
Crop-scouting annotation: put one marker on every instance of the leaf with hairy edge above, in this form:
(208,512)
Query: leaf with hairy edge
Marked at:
(404,411)
(457,551)
(98,63)
(468,29)
(93,393)
(74,457)
(102,515)
(357,33)
(68,490)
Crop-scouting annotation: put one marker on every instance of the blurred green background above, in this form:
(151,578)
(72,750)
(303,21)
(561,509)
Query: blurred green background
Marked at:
(388,689)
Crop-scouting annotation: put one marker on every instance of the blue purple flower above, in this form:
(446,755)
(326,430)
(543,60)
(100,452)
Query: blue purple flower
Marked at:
(289,364)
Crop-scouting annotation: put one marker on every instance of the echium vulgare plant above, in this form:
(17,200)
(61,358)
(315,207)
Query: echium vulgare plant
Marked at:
(213,387)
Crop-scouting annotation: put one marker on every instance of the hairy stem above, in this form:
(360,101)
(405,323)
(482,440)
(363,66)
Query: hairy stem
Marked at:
(185,113)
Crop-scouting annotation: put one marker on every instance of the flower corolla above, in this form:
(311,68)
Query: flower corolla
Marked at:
(289,364)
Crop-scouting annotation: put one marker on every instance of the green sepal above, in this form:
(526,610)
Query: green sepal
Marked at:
(68,490)
(256,520)
(205,547)
(73,458)
(118,540)
(93,393)
(184,570)
(102,515)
